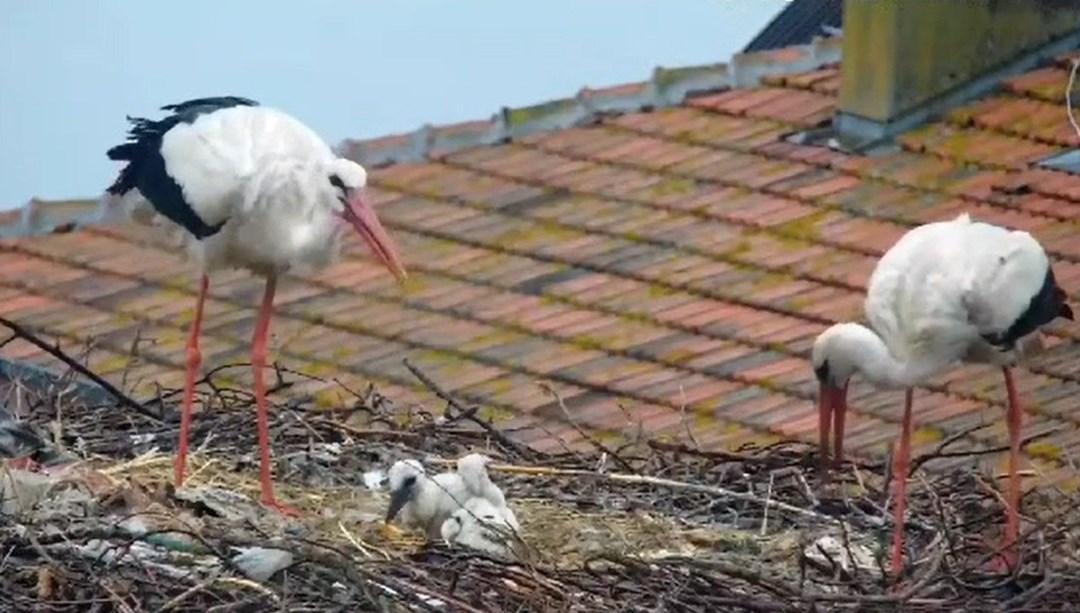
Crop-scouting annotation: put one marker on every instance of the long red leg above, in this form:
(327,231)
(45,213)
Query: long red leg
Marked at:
(194,360)
(1014,417)
(901,466)
(258,363)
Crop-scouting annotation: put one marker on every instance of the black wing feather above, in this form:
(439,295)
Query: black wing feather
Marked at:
(1045,306)
(146,168)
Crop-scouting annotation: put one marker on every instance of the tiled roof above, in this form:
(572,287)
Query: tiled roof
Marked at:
(668,267)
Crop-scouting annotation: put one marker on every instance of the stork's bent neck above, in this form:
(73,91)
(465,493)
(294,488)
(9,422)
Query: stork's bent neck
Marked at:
(852,347)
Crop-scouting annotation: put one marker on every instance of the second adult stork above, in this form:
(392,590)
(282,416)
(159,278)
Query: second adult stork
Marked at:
(946,292)
(247,187)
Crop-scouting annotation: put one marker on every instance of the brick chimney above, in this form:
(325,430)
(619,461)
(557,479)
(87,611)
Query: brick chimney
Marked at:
(906,60)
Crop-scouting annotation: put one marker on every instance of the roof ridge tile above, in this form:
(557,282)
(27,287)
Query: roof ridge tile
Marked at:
(666,87)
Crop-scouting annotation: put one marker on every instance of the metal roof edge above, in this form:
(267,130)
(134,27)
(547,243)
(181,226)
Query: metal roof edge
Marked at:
(666,87)
(35,217)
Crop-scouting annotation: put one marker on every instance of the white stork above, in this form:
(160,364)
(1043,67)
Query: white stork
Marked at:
(247,187)
(946,292)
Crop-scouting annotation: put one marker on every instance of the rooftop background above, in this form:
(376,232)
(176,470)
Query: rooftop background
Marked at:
(70,74)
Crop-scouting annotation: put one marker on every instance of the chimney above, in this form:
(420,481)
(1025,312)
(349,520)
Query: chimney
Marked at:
(907,60)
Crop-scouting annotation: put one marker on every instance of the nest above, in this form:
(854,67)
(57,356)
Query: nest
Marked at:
(644,526)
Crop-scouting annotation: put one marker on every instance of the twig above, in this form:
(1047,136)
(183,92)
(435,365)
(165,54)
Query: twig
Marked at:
(668,483)
(602,448)
(929,575)
(450,400)
(188,593)
(1068,96)
(30,337)
(712,454)
(922,459)
(685,422)
(768,498)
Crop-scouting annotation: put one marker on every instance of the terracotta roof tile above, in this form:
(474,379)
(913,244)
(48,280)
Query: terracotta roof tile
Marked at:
(684,256)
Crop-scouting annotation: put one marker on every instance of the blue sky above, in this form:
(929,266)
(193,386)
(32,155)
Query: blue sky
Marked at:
(70,71)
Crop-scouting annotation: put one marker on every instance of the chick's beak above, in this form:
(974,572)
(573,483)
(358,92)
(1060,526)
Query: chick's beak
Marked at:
(398,499)
(363,219)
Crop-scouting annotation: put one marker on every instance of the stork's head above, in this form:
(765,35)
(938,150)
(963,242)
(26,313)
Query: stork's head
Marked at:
(835,359)
(473,468)
(835,354)
(404,476)
(451,528)
(347,181)
(838,353)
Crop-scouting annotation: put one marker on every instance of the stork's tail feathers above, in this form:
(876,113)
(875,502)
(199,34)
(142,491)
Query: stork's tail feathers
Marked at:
(1064,310)
(144,136)
(125,152)
(127,177)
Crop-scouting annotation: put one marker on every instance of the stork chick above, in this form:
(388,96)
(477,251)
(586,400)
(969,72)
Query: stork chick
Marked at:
(424,501)
(482,526)
(478,483)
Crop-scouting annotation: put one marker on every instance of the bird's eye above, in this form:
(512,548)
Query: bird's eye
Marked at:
(337,182)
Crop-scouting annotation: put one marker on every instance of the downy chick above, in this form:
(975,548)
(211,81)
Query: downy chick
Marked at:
(482,526)
(478,483)
(423,501)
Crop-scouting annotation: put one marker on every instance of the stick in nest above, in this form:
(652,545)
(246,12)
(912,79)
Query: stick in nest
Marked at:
(464,412)
(1068,96)
(668,483)
(602,448)
(123,398)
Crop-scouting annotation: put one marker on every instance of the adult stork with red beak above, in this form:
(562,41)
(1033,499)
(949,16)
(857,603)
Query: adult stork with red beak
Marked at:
(248,187)
(946,292)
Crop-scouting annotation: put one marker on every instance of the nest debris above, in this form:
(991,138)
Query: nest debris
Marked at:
(644,526)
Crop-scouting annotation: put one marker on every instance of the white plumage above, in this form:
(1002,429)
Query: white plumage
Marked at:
(478,483)
(427,502)
(948,291)
(424,501)
(483,526)
(263,174)
(931,299)
(243,186)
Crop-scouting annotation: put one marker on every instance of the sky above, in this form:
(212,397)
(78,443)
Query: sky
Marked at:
(70,71)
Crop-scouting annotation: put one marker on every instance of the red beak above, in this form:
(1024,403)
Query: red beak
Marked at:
(363,219)
(832,409)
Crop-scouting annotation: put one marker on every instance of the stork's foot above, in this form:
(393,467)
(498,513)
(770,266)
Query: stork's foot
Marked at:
(271,503)
(24,464)
(1004,562)
(390,531)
